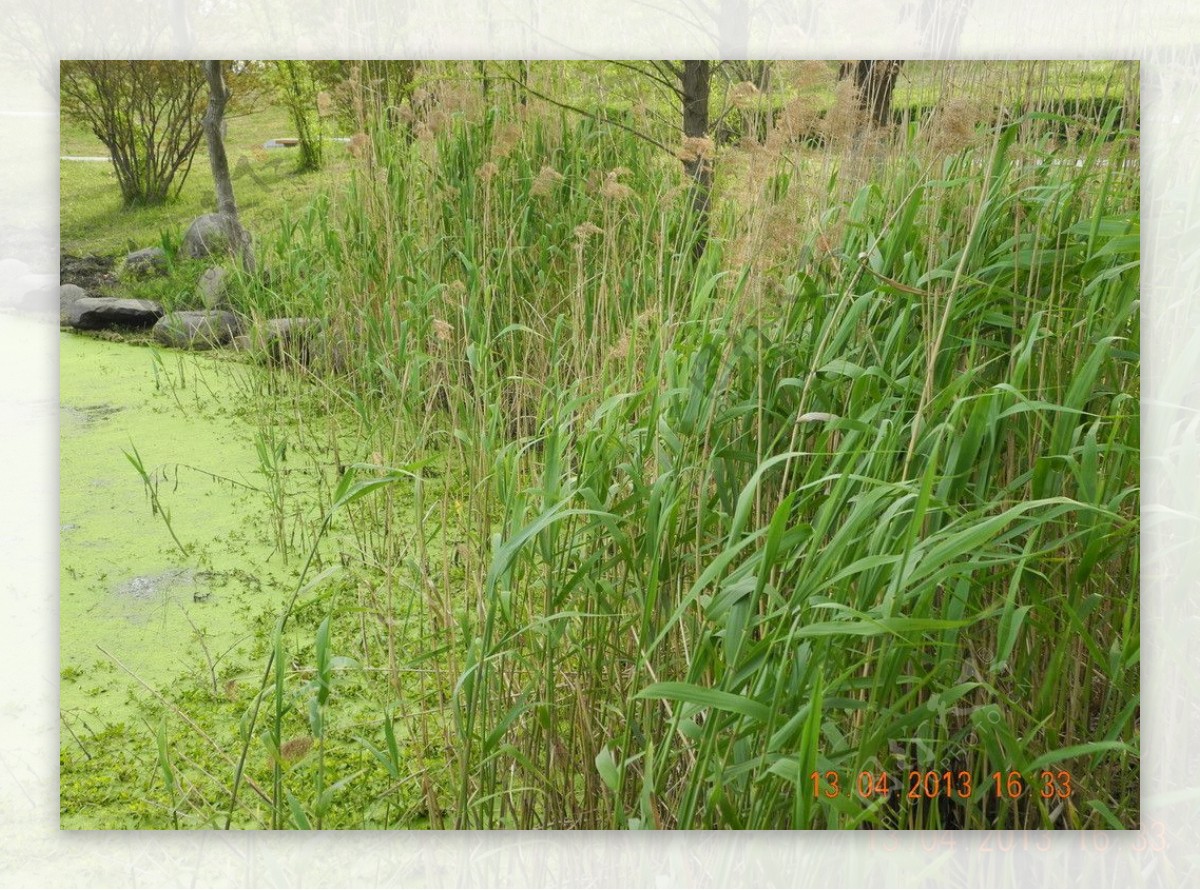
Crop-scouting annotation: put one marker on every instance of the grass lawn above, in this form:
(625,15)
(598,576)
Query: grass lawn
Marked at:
(93,221)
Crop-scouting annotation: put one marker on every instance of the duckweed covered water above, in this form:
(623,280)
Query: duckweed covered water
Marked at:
(193,491)
(136,611)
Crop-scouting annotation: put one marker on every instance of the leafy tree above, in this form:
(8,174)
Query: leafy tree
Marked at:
(297,84)
(148,115)
(382,86)
(749,121)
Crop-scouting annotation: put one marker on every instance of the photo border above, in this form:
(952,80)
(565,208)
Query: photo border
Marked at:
(1167,41)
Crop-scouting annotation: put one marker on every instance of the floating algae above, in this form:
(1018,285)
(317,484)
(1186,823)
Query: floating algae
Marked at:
(130,601)
(142,597)
(85,414)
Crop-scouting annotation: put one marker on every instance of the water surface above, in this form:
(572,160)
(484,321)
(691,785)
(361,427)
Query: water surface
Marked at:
(135,611)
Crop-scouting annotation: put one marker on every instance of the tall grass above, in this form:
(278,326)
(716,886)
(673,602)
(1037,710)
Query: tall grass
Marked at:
(700,544)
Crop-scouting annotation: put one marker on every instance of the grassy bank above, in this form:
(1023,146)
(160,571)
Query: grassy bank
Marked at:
(834,526)
(92,220)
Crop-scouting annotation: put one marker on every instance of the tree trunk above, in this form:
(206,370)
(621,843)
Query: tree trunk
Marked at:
(696,83)
(218,97)
(875,80)
(214,120)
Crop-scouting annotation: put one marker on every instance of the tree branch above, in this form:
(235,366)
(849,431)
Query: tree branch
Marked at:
(656,77)
(589,114)
(670,66)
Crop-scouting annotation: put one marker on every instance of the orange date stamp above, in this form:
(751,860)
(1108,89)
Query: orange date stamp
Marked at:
(929,784)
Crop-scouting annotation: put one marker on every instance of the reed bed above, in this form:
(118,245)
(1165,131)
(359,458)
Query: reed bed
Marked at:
(629,538)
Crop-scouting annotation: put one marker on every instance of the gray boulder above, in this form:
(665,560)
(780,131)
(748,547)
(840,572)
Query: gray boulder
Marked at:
(93,313)
(284,337)
(39,300)
(327,352)
(147,262)
(213,288)
(213,234)
(202,329)
(67,295)
(283,340)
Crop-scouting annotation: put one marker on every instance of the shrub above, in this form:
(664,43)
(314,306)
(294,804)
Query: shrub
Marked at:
(147,113)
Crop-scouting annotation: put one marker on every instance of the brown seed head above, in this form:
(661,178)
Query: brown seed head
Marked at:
(545,181)
(294,749)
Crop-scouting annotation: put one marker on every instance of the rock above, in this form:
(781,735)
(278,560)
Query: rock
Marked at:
(289,334)
(201,329)
(146,263)
(92,273)
(284,340)
(328,353)
(213,288)
(67,295)
(92,313)
(11,267)
(37,301)
(286,328)
(213,234)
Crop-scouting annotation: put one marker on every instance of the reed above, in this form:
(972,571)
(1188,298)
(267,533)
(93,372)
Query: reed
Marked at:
(700,543)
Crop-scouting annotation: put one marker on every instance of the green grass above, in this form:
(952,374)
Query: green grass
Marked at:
(681,543)
(93,221)
(924,82)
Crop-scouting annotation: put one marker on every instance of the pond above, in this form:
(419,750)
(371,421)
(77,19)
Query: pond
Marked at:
(156,588)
